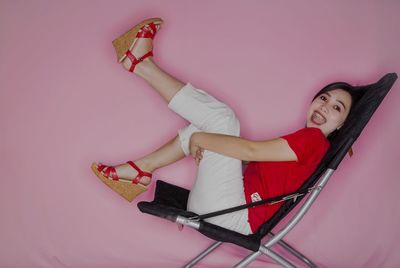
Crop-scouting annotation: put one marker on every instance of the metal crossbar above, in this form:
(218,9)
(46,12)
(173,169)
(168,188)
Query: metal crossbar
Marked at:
(295,253)
(203,254)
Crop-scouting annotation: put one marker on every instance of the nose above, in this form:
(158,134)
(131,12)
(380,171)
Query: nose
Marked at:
(324,109)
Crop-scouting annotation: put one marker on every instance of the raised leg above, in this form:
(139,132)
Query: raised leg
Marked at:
(165,155)
(219,181)
(164,83)
(167,86)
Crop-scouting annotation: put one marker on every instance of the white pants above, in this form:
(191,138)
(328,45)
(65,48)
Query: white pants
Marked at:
(219,182)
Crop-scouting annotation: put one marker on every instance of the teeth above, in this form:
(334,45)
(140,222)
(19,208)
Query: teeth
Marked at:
(318,118)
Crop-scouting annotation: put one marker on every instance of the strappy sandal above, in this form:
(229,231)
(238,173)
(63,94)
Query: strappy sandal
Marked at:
(126,188)
(125,42)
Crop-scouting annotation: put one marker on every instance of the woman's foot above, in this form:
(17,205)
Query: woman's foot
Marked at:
(125,172)
(141,47)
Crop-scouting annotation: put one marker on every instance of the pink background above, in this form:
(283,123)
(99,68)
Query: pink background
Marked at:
(65,102)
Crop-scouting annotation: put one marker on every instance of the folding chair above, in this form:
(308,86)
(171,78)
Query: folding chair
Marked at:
(170,201)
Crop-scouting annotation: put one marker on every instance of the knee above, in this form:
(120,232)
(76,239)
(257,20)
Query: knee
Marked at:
(230,124)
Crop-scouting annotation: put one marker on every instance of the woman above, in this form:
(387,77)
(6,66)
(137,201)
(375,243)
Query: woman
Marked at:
(276,167)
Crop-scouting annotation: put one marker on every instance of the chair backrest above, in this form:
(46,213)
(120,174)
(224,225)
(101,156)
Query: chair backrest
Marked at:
(362,111)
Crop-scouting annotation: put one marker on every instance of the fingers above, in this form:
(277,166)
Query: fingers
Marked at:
(196,152)
(193,152)
(199,155)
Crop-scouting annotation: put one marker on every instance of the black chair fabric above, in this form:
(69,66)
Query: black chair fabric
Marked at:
(170,201)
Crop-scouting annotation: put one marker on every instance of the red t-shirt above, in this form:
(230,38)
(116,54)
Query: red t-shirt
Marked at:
(269,179)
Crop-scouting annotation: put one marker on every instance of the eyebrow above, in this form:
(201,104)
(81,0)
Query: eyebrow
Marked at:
(341,102)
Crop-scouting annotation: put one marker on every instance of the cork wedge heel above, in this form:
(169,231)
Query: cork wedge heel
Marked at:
(125,188)
(125,42)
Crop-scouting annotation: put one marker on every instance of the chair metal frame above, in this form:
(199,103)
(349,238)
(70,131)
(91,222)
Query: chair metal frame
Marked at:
(274,238)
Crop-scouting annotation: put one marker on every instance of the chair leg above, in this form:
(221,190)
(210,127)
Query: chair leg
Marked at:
(246,261)
(296,253)
(296,218)
(203,254)
(278,258)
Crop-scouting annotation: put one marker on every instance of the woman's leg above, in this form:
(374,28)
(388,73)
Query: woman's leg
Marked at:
(167,86)
(167,154)
(219,182)
(164,83)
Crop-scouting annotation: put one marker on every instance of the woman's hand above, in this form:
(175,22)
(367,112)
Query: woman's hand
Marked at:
(195,150)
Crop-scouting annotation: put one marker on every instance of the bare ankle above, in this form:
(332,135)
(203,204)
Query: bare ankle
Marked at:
(145,68)
(145,165)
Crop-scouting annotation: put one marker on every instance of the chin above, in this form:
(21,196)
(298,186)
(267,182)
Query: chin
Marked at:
(311,124)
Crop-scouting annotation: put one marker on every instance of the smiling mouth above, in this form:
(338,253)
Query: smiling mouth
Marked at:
(317,118)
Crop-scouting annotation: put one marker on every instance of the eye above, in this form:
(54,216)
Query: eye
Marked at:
(337,108)
(323,98)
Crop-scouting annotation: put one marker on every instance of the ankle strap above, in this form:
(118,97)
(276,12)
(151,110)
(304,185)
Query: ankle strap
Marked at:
(136,61)
(141,173)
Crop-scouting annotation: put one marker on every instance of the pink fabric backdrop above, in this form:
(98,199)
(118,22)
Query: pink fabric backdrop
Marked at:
(65,102)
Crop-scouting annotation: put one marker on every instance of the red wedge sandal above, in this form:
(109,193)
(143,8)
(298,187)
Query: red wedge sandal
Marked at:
(124,43)
(126,188)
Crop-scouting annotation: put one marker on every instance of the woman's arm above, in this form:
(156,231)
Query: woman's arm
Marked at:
(243,149)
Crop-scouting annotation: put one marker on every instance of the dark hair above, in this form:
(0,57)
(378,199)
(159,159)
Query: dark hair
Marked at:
(354,93)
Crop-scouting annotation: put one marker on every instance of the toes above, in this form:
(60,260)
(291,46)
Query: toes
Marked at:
(150,29)
(103,170)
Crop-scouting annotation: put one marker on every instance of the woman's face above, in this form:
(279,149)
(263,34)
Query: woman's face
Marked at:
(329,111)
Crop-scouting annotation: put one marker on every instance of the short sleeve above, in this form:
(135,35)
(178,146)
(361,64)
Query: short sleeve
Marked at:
(306,142)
